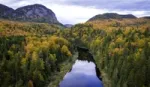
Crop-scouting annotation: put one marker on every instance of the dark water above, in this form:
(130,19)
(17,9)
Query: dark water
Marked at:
(83,74)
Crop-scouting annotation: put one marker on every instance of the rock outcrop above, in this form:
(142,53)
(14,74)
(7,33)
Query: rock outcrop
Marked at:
(31,13)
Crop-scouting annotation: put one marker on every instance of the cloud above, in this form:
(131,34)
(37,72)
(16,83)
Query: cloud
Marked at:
(74,14)
(114,4)
(78,11)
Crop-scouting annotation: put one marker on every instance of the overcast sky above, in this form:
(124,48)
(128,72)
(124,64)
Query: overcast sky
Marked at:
(78,11)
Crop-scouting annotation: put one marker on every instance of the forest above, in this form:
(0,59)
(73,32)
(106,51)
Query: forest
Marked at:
(28,56)
(31,53)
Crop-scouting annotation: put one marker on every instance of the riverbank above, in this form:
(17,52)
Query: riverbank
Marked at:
(106,80)
(65,67)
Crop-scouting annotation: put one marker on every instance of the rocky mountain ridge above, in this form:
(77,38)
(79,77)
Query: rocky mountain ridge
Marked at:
(31,13)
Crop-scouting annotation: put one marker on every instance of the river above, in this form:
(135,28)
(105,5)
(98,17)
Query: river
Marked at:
(82,74)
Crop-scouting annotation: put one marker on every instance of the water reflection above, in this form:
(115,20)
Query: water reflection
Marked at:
(83,74)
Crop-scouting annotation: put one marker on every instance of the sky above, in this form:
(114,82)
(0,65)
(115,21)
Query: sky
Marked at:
(79,11)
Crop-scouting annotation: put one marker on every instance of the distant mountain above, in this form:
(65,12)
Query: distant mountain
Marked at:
(130,16)
(68,25)
(5,12)
(146,17)
(111,16)
(32,13)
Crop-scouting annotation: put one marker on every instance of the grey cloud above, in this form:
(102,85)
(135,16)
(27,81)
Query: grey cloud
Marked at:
(113,4)
(136,6)
(99,4)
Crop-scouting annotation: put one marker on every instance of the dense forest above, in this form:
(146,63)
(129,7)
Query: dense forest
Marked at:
(29,55)
(121,49)
(32,52)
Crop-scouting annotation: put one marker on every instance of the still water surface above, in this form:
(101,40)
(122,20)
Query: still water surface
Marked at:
(83,74)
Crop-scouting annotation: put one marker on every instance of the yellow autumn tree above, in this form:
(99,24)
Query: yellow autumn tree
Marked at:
(141,43)
(119,40)
(34,56)
(30,83)
(65,50)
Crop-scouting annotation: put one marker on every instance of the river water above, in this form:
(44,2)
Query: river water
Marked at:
(83,74)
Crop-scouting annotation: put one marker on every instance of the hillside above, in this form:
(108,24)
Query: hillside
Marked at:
(111,16)
(30,13)
(5,12)
(115,23)
(17,28)
(146,17)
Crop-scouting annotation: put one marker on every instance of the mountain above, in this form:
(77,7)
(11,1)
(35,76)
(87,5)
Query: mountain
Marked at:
(5,11)
(146,17)
(111,16)
(129,16)
(31,13)
(68,25)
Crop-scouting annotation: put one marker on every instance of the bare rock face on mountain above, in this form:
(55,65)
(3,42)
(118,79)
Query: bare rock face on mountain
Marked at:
(5,12)
(31,13)
(37,13)
(111,16)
